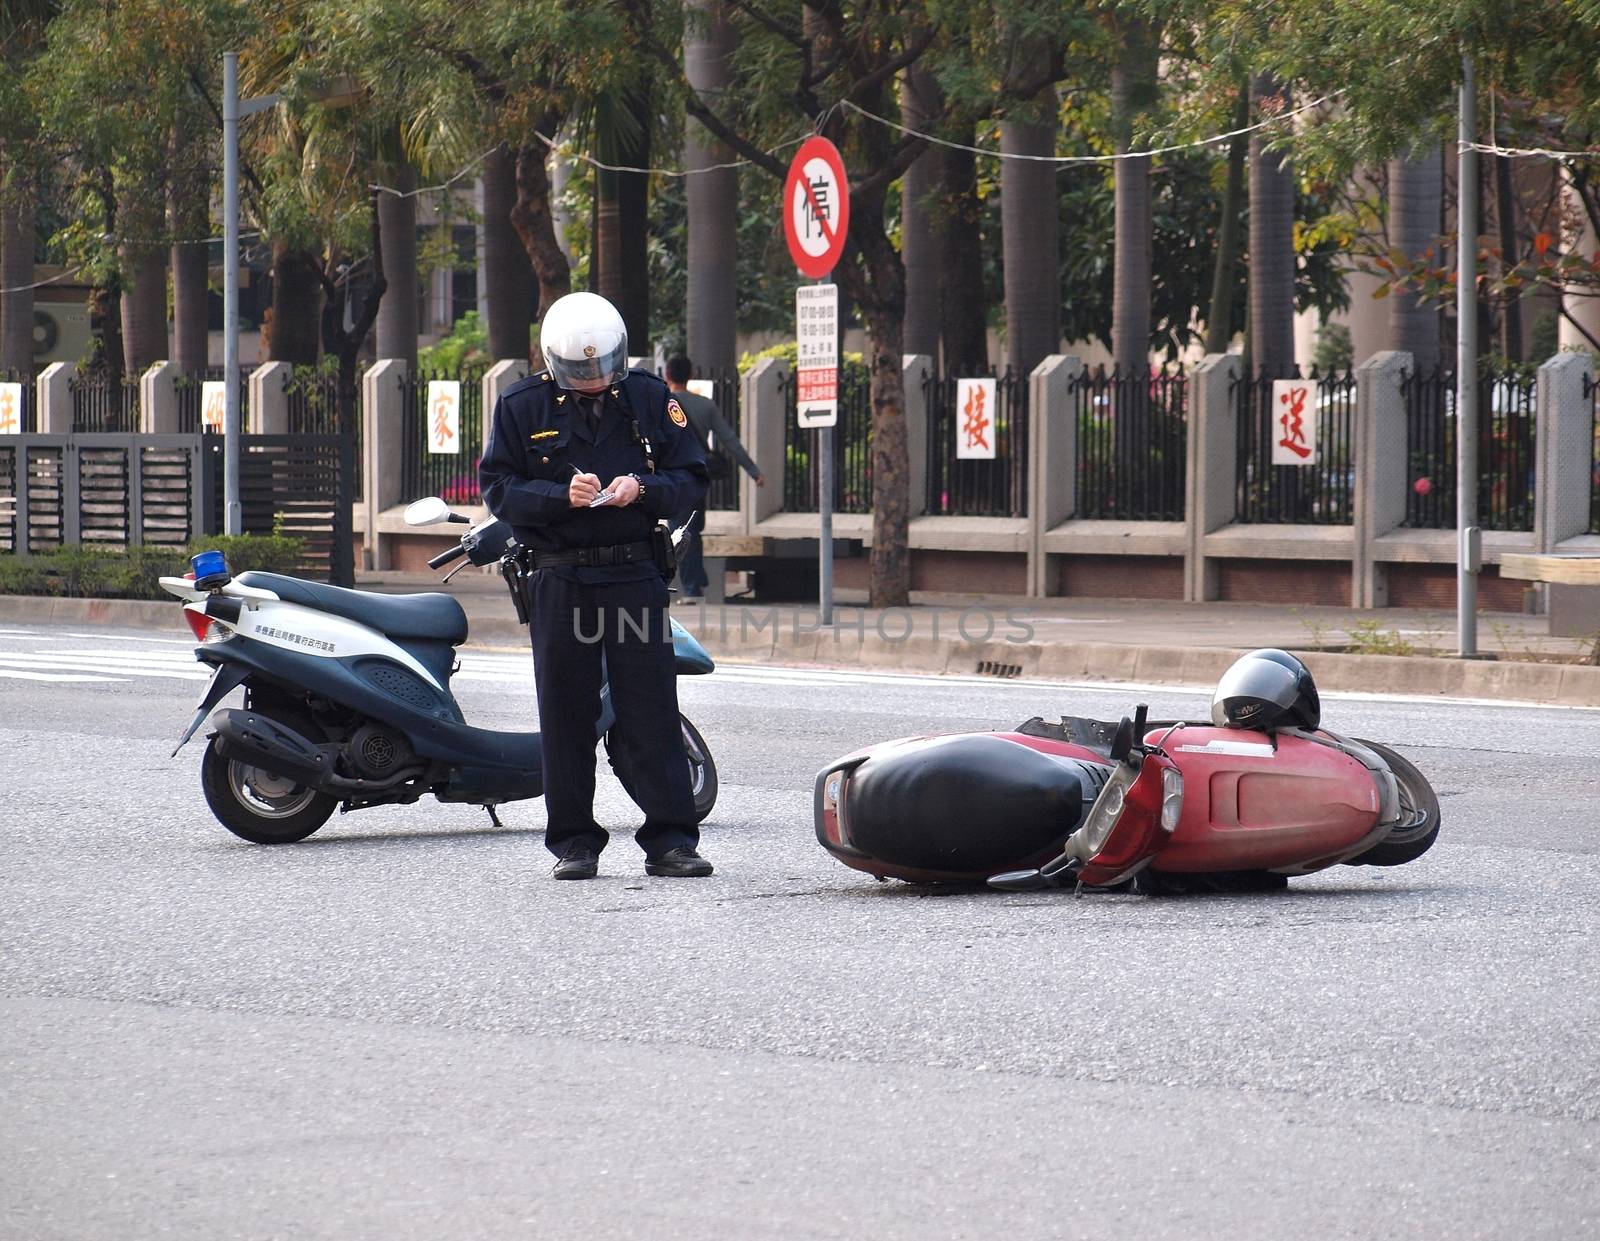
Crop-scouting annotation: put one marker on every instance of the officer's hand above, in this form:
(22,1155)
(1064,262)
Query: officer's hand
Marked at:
(761,480)
(624,490)
(582,489)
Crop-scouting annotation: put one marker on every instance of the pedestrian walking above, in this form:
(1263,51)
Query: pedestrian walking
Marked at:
(719,442)
(583,461)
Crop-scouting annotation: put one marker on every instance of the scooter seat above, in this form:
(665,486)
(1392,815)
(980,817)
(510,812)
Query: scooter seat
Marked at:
(433,616)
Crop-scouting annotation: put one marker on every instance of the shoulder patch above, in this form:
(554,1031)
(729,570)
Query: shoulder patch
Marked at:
(675,412)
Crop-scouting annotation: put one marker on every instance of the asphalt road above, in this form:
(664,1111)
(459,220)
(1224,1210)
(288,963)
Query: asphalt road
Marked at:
(402,1028)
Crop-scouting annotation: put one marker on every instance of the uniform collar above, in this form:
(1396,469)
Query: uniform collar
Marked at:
(610,415)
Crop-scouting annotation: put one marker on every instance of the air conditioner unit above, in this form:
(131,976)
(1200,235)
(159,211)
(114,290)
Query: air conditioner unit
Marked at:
(60,333)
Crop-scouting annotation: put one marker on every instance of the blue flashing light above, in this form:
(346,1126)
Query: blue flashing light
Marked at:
(210,570)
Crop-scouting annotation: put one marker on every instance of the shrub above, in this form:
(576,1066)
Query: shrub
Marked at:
(83,571)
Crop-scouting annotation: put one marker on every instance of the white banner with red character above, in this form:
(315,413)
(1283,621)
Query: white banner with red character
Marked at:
(1294,422)
(975,432)
(444,415)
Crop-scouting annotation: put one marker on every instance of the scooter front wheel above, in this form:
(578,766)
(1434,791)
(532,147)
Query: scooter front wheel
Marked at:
(258,805)
(702,768)
(1419,808)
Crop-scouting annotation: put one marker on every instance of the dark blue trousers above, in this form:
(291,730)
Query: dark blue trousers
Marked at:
(584,634)
(691,567)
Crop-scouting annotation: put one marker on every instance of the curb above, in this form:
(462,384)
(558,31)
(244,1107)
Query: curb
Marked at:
(1572,685)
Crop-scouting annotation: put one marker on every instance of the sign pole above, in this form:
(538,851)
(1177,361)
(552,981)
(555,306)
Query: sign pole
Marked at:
(825,523)
(232,508)
(1468,545)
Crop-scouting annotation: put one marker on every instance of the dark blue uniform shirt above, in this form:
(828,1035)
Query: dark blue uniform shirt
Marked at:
(542,436)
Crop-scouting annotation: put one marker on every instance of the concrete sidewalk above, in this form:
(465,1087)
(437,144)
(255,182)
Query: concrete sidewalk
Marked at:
(1065,639)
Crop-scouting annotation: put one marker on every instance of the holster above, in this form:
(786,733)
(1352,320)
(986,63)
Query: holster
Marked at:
(666,555)
(516,579)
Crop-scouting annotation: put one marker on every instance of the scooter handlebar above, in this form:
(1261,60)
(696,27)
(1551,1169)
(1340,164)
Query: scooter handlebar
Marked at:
(444,558)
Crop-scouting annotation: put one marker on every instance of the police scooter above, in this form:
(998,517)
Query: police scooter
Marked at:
(347,699)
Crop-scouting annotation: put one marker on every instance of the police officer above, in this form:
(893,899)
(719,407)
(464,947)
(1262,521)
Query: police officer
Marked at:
(582,460)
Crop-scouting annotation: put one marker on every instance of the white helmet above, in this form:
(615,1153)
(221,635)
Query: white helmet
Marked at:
(584,341)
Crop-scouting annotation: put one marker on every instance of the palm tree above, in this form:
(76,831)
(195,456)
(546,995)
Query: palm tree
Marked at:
(397,220)
(919,238)
(1031,230)
(1272,255)
(22,27)
(712,197)
(189,219)
(963,301)
(1416,200)
(1133,86)
(508,278)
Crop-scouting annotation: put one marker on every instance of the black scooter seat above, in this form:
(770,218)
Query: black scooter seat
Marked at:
(433,616)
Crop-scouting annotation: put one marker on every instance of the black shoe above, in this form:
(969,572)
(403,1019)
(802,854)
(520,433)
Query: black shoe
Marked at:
(578,862)
(681,863)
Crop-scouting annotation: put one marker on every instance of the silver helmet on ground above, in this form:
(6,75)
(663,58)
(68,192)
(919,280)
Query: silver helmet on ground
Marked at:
(1267,689)
(584,341)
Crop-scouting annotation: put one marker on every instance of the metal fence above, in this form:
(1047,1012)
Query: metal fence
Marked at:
(312,397)
(1321,493)
(852,448)
(976,487)
(1507,415)
(453,473)
(1132,444)
(1591,389)
(105,490)
(190,393)
(100,405)
(18,417)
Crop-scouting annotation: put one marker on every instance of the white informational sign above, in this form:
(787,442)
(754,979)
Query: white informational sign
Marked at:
(444,415)
(975,433)
(816,312)
(10,409)
(703,387)
(213,406)
(1294,422)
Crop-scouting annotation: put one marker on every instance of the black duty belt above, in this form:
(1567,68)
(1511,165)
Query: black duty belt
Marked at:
(598,557)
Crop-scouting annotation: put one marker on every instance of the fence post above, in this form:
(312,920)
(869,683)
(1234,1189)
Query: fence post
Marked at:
(158,399)
(1052,458)
(914,371)
(1212,470)
(383,413)
(1565,451)
(268,413)
(761,400)
(496,380)
(53,400)
(1381,470)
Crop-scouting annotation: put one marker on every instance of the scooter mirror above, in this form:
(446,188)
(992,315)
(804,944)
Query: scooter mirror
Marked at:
(428,512)
(1017,881)
(1122,742)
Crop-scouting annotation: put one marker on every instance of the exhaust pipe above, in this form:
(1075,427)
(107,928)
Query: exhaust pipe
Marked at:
(250,737)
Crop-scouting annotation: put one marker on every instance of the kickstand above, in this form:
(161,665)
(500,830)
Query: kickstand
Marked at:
(493,817)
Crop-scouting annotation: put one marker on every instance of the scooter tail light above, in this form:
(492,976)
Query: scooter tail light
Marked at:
(199,622)
(1171,798)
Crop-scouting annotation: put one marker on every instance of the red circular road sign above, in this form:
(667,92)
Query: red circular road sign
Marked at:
(816,207)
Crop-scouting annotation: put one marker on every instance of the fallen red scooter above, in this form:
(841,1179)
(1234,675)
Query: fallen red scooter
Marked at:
(1259,793)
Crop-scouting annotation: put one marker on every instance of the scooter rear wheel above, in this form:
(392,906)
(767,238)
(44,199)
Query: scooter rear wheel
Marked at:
(702,769)
(1420,806)
(258,805)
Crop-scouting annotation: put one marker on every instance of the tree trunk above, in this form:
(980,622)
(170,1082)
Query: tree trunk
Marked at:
(1505,212)
(920,104)
(1219,322)
(1030,227)
(189,218)
(144,305)
(1132,85)
(508,278)
(290,335)
(397,316)
(1416,203)
(633,232)
(712,198)
(535,226)
(963,300)
(16,275)
(606,257)
(1272,256)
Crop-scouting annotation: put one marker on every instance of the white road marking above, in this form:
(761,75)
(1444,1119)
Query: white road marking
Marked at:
(16,674)
(123,637)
